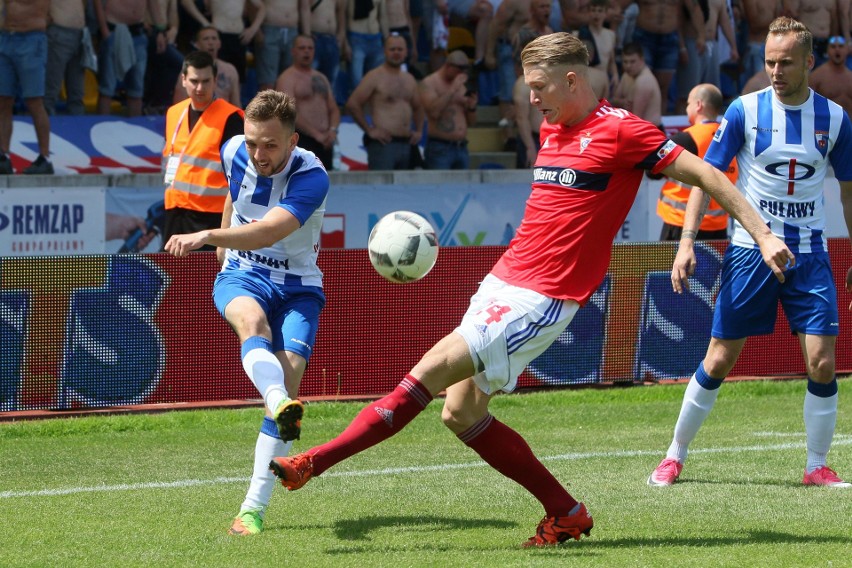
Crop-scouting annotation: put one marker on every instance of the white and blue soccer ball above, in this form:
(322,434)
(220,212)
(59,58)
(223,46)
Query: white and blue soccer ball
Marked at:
(403,247)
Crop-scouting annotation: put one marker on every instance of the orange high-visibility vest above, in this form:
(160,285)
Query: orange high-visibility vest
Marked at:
(200,183)
(671,206)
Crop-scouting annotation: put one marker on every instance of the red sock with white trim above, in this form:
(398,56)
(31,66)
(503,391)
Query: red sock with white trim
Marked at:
(506,451)
(375,423)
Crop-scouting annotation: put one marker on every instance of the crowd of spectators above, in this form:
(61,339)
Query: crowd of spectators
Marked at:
(141,44)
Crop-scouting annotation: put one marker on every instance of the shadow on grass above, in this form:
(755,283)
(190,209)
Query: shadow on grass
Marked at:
(739,481)
(360,528)
(748,537)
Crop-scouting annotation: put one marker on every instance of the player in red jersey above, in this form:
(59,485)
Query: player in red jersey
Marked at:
(585,179)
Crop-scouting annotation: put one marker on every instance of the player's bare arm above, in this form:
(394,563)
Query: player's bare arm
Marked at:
(497,29)
(435,102)
(227,211)
(690,169)
(259,9)
(697,18)
(356,104)
(274,226)
(418,115)
(685,261)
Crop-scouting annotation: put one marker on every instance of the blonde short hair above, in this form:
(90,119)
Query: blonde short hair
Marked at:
(784,25)
(554,49)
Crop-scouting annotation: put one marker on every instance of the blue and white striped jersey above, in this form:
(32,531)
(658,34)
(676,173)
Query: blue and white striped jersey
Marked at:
(783,153)
(300,188)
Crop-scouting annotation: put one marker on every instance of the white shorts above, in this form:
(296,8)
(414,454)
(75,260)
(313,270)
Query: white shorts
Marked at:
(506,327)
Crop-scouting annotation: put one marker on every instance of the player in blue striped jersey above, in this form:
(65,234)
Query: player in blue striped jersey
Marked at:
(784,138)
(270,288)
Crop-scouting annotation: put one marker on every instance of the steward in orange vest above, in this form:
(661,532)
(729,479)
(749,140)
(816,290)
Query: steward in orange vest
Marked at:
(703,106)
(196,129)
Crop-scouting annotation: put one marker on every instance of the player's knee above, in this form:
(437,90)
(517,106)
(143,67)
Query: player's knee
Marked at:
(717,367)
(821,369)
(456,419)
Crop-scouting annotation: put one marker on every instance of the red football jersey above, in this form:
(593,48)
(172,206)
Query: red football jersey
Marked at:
(585,180)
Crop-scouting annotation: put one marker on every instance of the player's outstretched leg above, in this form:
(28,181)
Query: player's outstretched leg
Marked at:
(293,472)
(376,422)
(288,418)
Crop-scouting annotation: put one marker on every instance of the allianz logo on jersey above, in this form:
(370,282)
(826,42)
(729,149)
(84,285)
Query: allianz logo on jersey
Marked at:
(563,176)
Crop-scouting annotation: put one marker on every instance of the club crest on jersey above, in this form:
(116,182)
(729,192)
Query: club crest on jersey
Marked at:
(721,130)
(821,138)
(666,149)
(585,140)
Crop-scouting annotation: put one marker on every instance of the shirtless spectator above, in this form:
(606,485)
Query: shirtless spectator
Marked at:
(504,36)
(758,15)
(227,78)
(164,67)
(622,18)
(833,79)
(696,68)
(397,18)
(326,21)
(273,44)
(450,110)
(604,41)
(538,24)
(364,33)
(658,32)
(23,58)
(599,80)
(64,54)
(436,32)
(227,17)
(500,54)
(638,90)
(319,116)
(388,94)
(478,15)
(575,14)
(122,27)
(822,18)
(528,119)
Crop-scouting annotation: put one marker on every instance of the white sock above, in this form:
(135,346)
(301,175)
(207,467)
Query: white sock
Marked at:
(262,480)
(697,404)
(820,418)
(265,371)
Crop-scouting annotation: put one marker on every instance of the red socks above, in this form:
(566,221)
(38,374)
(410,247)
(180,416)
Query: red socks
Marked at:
(500,446)
(378,421)
(507,452)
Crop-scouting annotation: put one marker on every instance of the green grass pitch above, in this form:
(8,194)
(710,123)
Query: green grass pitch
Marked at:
(161,490)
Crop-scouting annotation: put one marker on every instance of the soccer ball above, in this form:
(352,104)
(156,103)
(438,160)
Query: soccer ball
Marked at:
(403,247)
